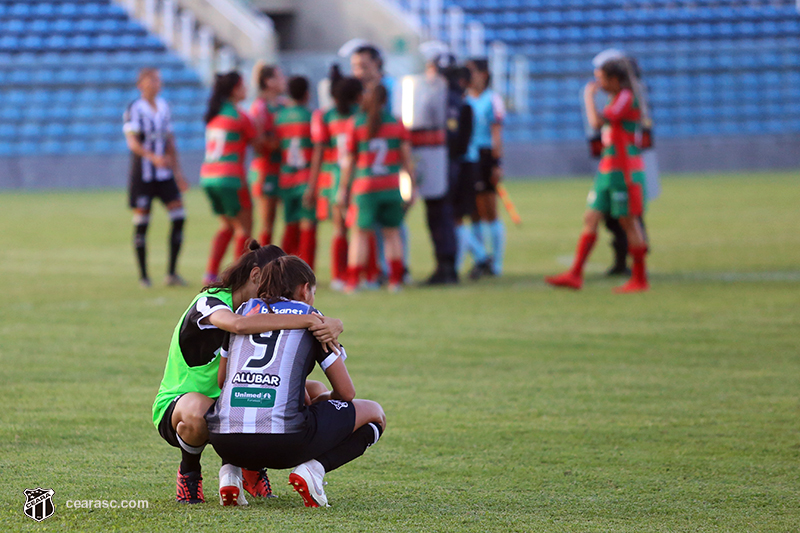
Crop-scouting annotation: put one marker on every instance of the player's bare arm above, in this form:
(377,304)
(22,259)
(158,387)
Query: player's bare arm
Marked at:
(171,152)
(594,118)
(136,147)
(313,178)
(327,330)
(341,383)
(344,181)
(407,161)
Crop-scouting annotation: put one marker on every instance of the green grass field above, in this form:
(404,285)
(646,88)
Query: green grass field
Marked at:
(511,406)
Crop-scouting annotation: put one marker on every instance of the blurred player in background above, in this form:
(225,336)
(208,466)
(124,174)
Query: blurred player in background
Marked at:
(155,171)
(279,424)
(229,131)
(619,186)
(484,153)
(461,186)
(329,133)
(378,148)
(293,132)
(367,65)
(427,118)
(189,385)
(264,169)
(619,243)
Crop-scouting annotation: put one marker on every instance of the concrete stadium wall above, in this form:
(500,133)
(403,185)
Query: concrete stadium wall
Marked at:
(325,25)
(715,154)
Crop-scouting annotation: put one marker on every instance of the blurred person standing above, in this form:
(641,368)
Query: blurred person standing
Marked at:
(484,153)
(366,62)
(293,132)
(264,169)
(425,114)
(619,242)
(619,186)
(329,134)
(155,171)
(229,131)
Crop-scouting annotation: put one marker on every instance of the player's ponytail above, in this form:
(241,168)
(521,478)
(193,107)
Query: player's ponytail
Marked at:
(374,101)
(236,275)
(224,84)
(282,277)
(346,94)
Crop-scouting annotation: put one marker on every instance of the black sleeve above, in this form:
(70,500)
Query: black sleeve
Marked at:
(464,131)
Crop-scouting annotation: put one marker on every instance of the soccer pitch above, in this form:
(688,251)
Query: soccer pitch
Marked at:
(511,406)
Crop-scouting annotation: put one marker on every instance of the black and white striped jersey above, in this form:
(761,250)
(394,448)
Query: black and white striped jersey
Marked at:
(152,127)
(264,391)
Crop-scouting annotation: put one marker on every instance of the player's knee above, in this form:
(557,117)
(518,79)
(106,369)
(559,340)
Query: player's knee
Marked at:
(193,425)
(376,414)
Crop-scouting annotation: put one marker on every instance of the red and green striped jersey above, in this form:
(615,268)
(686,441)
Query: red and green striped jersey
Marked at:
(227,137)
(330,130)
(620,153)
(263,117)
(293,129)
(377,160)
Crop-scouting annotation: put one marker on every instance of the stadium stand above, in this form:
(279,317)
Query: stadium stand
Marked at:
(67,72)
(713,67)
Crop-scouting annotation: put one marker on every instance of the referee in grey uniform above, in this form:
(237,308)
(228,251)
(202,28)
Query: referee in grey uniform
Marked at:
(155,171)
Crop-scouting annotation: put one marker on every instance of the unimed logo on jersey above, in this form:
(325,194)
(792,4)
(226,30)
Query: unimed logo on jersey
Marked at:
(251,397)
(39,503)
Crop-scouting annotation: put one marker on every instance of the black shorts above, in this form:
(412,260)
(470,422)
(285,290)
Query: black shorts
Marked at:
(327,425)
(462,189)
(141,193)
(165,428)
(483,177)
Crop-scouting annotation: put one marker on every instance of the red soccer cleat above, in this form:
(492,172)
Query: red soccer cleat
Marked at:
(632,285)
(257,483)
(567,279)
(190,488)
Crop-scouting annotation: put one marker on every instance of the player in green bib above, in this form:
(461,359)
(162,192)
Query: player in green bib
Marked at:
(293,132)
(329,133)
(378,148)
(189,385)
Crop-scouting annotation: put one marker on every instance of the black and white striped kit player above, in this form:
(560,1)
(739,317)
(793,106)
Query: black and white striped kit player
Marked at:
(266,374)
(153,129)
(155,172)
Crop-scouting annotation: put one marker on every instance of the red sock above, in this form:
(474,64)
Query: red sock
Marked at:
(585,245)
(265,238)
(308,245)
(396,271)
(353,276)
(372,270)
(339,257)
(219,245)
(291,238)
(638,271)
(240,245)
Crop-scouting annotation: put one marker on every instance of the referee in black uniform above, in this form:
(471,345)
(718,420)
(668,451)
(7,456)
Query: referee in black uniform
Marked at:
(155,171)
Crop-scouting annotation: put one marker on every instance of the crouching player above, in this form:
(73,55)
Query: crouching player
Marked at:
(265,418)
(619,186)
(189,386)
